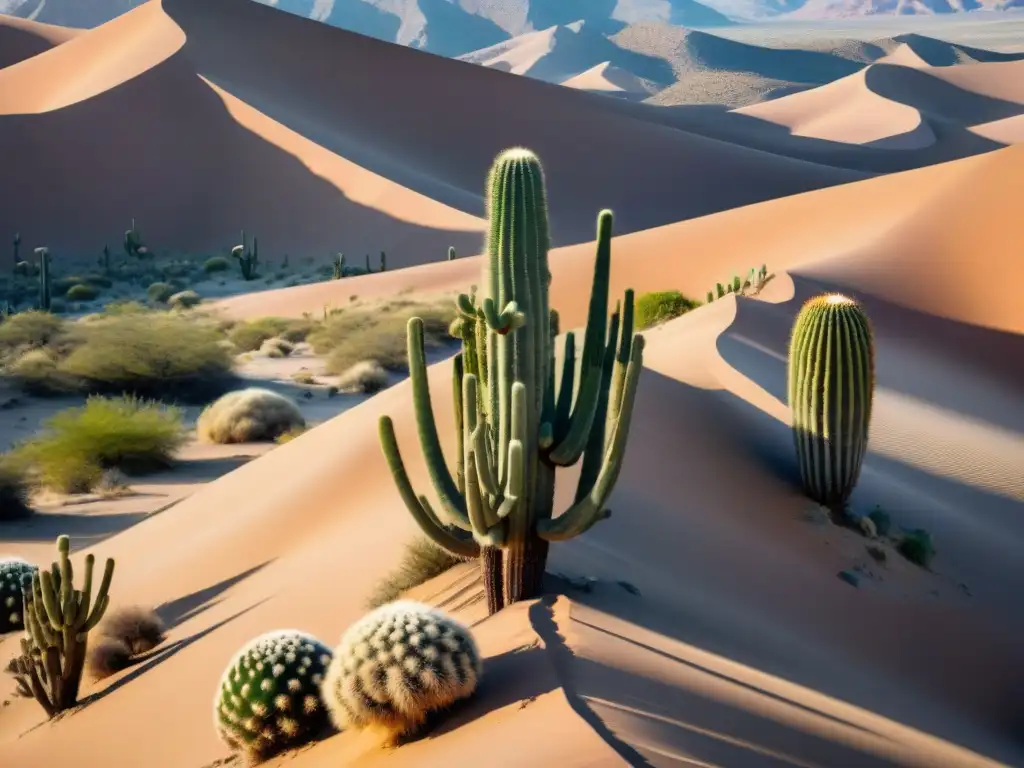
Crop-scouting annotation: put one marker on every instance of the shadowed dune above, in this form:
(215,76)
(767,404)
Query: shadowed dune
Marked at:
(22,39)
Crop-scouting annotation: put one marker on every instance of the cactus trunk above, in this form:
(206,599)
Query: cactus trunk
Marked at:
(44,278)
(515,426)
(831,388)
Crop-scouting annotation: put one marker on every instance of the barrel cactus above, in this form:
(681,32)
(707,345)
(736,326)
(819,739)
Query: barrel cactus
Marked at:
(515,426)
(398,665)
(831,387)
(269,699)
(14,574)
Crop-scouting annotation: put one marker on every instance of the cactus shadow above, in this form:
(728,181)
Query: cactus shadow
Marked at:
(189,606)
(85,530)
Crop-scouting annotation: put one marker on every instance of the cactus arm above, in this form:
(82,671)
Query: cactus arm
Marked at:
(102,598)
(51,607)
(593,455)
(452,502)
(569,448)
(515,483)
(421,513)
(622,359)
(563,406)
(589,510)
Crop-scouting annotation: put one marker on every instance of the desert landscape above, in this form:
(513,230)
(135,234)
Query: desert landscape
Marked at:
(516,384)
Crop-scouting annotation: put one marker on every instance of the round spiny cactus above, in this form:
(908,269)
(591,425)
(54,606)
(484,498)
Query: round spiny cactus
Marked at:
(14,572)
(831,387)
(399,664)
(268,699)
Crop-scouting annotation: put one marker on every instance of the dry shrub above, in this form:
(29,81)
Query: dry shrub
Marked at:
(421,561)
(107,657)
(140,629)
(249,415)
(276,348)
(13,492)
(365,377)
(36,372)
(29,330)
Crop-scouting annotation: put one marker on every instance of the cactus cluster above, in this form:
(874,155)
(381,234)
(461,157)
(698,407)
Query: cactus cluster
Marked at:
(398,665)
(831,389)
(269,696)
(383,263)
(515,425)
(248,260)
(15,573)
(58,619)
(754,281)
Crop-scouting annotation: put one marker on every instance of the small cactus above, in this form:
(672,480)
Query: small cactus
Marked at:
(248,261)
(105,260)
(269,699)
(720,289)
(383,261)
(737,284)
(43,254)
(451,253)
(14,574)
(831,388)
(711,297)
(17,249)
(133,243)
(339,267)
(397,665)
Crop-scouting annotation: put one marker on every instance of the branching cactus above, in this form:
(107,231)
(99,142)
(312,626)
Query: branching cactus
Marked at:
(515,425)
(58,619)
(831,388)
(248,260)
(15,573)
(43,254)
(398,665)
(269,698)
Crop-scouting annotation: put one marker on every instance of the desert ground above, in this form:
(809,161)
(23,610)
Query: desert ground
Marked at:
(719,617)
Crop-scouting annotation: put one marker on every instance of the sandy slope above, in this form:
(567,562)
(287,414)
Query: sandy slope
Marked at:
(606,78)
(742,647)
(22,39)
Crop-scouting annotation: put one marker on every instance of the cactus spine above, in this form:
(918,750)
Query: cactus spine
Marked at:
(44,278)
(516,425)
(58,619)
(831,387)
(248,261)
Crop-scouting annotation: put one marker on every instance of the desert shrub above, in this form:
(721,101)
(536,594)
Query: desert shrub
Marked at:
(379,333)
(37,373)
(298,329)
(76,445)
(125,307)
(268,699)
(61,285)
(108,657)
(248,336)
(917,547)
(276,348)
(365,377)
(29,330)
(139,629)
(304,376)
(168,355)
(13,495)
(82,292)
(159,293)
(421,561)
(360,690)
(248,415)
(100,281)
(661,306)
(291,434)
(216,264)
(185,300)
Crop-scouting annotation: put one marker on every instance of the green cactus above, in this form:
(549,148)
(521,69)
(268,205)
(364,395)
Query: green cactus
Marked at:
(516,426)
(397,665)
(105,260)
(248,261)
(710,297)
(14,573)
(339,267)
(43,254)
(58,619)
(133,243)
(720,290)
(737,284)
(269,697)
(369,269)
(17,248)
(451,253)
(831,387)
(383,261)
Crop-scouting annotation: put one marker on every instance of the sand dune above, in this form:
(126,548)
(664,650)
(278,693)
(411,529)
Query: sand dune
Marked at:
(606,78)
(183,137)
(21,39)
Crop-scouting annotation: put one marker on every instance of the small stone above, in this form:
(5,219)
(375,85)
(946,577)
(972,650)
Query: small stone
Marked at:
(850,578)
(867,527)
(876,552)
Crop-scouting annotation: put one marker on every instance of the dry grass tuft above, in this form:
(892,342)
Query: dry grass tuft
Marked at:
(364,378)
(108,657)
(421,561)
(140,629)
(249,415)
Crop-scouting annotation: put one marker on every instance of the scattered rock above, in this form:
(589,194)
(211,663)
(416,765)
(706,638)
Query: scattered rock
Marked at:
(850,578)
(877,552)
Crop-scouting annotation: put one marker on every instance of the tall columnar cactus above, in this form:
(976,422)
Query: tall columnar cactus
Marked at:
(338,266)
(831,388)
(720,290)
(248,260)
(383,261)
(515,425)
(737,284)
(17,248)
(105,260)
(58,619)
(269,697)
(710,297)
(397,665)
(43,254)
(451,253)
(14,574)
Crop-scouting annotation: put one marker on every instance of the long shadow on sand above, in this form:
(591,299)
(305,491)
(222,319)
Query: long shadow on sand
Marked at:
(189,606)
(85,530)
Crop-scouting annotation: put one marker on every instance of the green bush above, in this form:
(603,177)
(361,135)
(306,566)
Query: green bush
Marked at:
(378,332)
(36,372)
(168,355)
(125,307)
(82,292)
(29,330)
(185,300)
(13,492)
(159,293)
(75,446)
(249,335)
(661,306)
(100,281)
(216,264)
